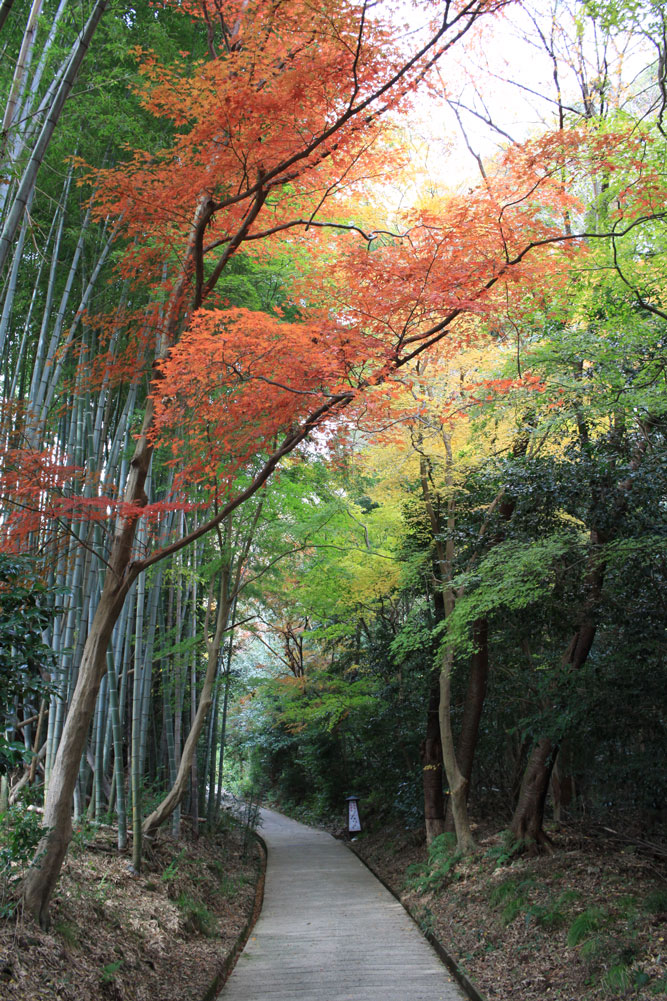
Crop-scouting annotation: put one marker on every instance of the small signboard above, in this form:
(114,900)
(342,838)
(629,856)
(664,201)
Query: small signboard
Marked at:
(353,820)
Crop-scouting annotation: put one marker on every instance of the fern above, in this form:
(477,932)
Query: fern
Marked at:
(584,925)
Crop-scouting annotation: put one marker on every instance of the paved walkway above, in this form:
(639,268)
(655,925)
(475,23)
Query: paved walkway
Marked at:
(329,931)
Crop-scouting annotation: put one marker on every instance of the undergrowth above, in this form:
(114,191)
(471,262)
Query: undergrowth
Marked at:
(20,833)
(196,916)
(439,868)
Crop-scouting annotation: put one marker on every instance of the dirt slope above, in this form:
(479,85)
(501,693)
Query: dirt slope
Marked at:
(587,923)
(163,935)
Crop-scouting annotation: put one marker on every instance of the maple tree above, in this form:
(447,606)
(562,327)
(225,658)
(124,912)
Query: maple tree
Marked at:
(269,137)
(283,110)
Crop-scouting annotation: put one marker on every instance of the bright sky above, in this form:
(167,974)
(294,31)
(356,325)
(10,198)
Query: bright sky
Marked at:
(506,75)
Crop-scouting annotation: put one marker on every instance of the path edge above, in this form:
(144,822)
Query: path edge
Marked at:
(463,981)
(230,960)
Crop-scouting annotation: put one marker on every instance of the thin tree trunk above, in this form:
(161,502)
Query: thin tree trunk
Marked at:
(528,816)
(179,693)
(211,748)
(473,708)
(20,71)
(562,782)
(225,706)
(456,780)
(194,776)
(188,757)
(27,184)
(98,744)
(458,784)
(137,705)
(5,8)
(13,278)
(118,752)
(431,757)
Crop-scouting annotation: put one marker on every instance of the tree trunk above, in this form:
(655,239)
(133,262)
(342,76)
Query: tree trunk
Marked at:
(528,816)
(43,874)
(472,712)
(188,758)
(562,783)
(178,790)
(122,571)
(20,70)
(225,706)
(27,184)
(119,777)
(5,8)
(431,756)
(457,782)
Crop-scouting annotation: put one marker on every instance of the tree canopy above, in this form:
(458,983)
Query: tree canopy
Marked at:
(318,473)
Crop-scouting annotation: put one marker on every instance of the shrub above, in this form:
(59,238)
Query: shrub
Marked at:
(20,833)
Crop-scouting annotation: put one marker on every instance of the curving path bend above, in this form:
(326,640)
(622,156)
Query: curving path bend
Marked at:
(329,930)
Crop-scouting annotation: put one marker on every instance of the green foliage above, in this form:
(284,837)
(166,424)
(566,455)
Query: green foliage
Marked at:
(512,577)
(618,978)
(622,14)
(425,918)
(171,871)
(228,886)
(440,866)
(196,916)
(549,916)
(584,925)
(656,901)
(68,932)
(108,972)
(511,897)
(320,702)
(83,833)
(25,660)
(506,849)
(20,833)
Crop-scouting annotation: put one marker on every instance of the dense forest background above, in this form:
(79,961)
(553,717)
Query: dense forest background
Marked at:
(318,476)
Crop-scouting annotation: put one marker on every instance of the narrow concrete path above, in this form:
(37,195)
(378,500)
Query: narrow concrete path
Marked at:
(329,930)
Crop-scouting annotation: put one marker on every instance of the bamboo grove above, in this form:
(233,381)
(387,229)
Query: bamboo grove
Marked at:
(213,332)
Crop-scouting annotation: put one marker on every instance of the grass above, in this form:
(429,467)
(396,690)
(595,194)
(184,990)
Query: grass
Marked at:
(549,916)
(228,886)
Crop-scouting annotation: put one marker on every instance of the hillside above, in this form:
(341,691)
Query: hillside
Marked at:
(587,922)
(165,934)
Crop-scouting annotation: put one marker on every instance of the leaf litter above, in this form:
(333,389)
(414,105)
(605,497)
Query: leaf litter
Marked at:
(117,936)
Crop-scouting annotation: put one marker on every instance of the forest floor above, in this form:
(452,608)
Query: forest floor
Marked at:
(163,935)
(586,923)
